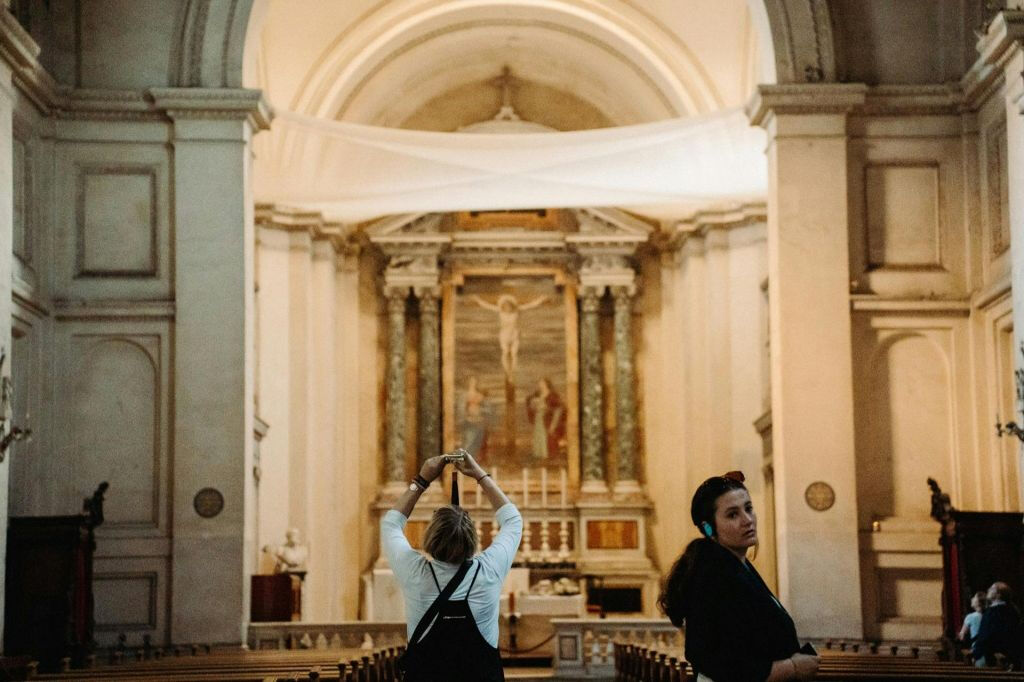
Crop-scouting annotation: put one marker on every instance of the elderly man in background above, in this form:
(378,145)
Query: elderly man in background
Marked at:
(1000,630)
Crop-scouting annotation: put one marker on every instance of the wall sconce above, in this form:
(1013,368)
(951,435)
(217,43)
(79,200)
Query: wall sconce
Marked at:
(1009,427)
(8,432)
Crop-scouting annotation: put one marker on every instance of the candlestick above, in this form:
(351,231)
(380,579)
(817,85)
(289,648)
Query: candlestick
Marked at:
(564,487)
(544,487)
(524,546)
(526,487)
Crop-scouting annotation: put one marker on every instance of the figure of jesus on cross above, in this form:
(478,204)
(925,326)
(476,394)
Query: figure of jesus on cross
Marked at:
(508,309)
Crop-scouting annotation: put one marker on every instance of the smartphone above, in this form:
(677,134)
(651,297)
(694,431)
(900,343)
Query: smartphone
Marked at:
(808,649)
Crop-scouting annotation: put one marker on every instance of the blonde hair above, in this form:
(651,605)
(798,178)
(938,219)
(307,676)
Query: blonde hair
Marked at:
(451,536)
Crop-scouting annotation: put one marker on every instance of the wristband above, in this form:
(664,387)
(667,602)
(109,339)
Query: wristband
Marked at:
(482,478)
(421,482)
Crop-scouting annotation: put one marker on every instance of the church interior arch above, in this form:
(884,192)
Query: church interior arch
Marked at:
(132,142)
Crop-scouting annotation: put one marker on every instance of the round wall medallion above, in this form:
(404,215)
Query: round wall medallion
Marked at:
(208,502)
(820,496)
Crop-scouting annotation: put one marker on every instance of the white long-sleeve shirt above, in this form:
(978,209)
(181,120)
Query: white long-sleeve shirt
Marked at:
(417,583)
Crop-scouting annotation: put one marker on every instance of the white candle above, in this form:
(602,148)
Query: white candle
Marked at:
(526,487)
(564,487)
(544,487)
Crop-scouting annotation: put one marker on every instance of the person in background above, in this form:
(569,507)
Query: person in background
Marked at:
(1000,629)
(461,643)
(972,621)
(736,630)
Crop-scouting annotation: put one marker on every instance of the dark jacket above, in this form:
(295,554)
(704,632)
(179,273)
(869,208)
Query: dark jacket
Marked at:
(999,633)
(734,627)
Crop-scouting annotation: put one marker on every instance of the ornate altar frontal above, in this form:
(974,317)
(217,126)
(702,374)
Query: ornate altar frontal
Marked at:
(510,334)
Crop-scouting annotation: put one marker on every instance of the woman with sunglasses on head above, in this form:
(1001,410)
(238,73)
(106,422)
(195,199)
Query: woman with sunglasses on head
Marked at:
(736,630)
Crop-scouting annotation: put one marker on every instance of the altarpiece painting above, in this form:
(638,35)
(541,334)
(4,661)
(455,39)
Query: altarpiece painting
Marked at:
(509,342)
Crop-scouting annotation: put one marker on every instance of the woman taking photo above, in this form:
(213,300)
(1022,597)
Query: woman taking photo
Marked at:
(736,630)
(451,599)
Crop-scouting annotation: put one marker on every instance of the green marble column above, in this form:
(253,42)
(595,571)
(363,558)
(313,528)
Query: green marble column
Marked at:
(625,376)
(429,389)
(394,410)
(591,421)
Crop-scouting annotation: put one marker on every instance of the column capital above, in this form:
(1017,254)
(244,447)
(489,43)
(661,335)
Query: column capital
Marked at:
(415,272)
(606,271)
(396,296)
(427,294)
(804,99)
(623,294)
(215,103)
(590,298)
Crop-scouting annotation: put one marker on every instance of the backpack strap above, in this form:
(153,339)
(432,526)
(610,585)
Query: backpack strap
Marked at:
(442,598)
(431,567)
(473,581)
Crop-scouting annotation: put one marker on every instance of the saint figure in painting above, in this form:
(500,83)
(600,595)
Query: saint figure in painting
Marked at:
(508,309)
(474,420)
(546,412)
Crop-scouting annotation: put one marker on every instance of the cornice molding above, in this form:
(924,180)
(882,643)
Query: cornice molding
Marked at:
(804,98)
(214,103)
(907,100)
(21,54)
(292,220)
(1002,41)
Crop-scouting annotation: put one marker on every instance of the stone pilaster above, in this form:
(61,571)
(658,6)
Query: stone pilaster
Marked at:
(591,419)
(429,391)
(394,411)
(625,394)
(213,208)
(811,348)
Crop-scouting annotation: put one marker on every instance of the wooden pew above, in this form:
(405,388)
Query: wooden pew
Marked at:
(635,663)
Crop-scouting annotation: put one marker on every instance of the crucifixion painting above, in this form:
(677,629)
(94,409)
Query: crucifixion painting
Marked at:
(508,370)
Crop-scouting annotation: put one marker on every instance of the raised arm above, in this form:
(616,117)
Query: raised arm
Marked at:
(469,467)
(430,470)
(483,304)
(534,303)
(502,551)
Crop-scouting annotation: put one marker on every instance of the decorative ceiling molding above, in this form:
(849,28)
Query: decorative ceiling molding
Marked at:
(805,47)
(393,26)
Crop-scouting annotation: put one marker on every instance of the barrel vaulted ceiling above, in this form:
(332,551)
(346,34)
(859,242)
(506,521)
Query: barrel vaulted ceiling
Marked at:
(434,64)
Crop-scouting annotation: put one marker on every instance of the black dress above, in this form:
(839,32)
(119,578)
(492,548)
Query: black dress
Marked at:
(735,628)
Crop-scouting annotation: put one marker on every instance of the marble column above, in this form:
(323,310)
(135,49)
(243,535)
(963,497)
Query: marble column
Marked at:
(625,394)
(591,418)
(429,391)
(811,349)
(394,411)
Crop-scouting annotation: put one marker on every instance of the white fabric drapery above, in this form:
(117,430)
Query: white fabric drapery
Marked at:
(665,169)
